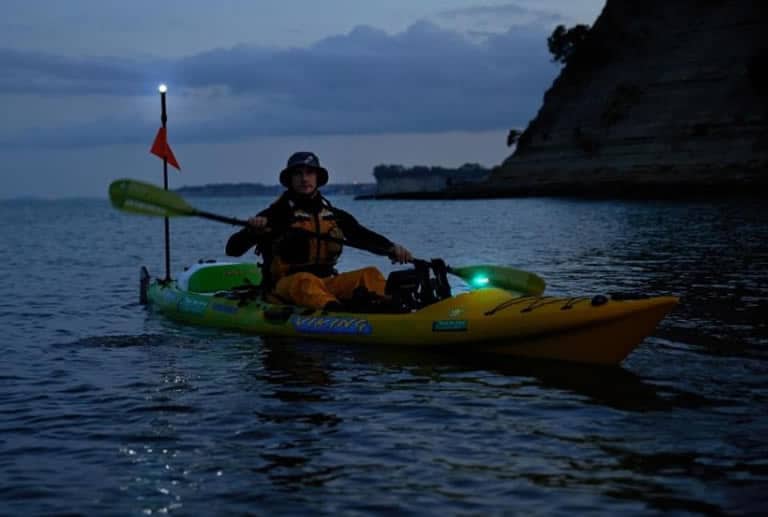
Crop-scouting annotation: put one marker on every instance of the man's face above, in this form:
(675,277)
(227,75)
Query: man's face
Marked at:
(304,180)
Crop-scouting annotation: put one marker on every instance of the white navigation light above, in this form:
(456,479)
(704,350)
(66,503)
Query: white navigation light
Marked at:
(162,88)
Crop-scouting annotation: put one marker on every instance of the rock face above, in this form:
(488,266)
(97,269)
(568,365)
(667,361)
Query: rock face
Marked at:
(668,98)
(421,182)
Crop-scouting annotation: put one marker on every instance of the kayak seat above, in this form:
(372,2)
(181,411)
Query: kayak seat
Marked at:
(211,276)
(415,288)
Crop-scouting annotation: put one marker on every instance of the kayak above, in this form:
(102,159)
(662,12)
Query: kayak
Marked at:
(505,312)
(599,329)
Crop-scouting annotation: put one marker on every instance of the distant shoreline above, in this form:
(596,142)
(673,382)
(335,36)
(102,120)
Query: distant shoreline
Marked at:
(618,191)
(258,189)
(367,191)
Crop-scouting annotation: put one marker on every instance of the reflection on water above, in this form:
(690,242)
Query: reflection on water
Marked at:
(108,408)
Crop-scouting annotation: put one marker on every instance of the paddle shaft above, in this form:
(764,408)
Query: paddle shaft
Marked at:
(220,218)
(241,222)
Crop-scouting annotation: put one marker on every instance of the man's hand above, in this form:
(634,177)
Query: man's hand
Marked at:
(400,255)
(258,225)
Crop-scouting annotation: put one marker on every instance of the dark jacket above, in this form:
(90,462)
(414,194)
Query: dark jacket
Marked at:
(280,217)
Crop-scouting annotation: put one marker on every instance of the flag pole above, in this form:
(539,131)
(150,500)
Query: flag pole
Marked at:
(164,119)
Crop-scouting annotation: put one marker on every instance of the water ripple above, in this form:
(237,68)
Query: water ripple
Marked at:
(110,409)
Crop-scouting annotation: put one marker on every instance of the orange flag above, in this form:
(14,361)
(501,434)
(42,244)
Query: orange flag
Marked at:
(161,148)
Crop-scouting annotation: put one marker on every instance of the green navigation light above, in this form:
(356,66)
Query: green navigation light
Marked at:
(480,281)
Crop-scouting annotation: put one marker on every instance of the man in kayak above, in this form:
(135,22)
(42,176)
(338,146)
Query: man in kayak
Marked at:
(299,268)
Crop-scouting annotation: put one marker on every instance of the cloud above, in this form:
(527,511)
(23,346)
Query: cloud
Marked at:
(505,11)
(483,10)
(41,73)
(424,79)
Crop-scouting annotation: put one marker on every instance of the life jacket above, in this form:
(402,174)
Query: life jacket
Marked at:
(296,252)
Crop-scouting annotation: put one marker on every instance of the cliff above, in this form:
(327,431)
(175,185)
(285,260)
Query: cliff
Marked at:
(665,99)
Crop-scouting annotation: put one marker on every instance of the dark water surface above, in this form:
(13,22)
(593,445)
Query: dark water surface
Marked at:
(108,409)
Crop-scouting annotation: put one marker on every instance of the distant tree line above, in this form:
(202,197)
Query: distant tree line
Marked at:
(259,189)
(399,171)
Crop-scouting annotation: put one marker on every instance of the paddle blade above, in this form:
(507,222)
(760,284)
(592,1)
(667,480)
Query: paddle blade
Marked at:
(142,198)
(508,278)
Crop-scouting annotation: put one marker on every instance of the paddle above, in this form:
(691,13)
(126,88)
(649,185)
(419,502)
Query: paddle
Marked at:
(138,197)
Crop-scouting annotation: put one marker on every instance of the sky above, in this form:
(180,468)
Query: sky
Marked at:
(412,82)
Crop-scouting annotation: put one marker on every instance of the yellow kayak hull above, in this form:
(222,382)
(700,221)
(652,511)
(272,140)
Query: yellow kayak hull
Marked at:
(596,330)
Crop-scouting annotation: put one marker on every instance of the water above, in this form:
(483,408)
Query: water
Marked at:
(108,409)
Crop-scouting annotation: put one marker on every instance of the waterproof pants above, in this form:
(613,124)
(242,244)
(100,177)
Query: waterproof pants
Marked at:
(311,291)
